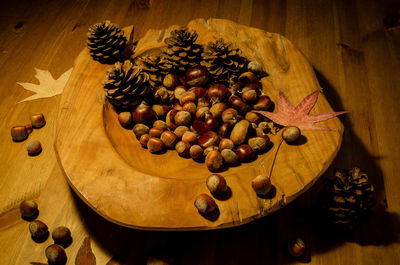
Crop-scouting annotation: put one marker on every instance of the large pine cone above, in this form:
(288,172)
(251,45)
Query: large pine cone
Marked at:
(106,42)
(347,197)
(126,85)
(154,66)
(181,52)
(223,61)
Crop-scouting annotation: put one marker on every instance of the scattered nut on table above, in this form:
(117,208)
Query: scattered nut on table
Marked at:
(38,120)
(28,208)
(34,147)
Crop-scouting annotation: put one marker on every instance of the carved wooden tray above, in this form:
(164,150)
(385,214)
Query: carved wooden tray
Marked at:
(127,185)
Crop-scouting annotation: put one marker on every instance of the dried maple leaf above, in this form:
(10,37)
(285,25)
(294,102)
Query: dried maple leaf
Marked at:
(85,255)
(298,116)
(48,86)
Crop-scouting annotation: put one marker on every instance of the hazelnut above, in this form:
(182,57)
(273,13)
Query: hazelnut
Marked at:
(209,149)
(160,110)
(140,129)
(38,120)
(170,80)
(197,75)
(155,145)
(182,148)
(296,247)
(217,109)
(224,131)
(61,235)
(202,113)
(291,134)
(161,95)
(187,97)
(253,117)
(218,93)
(263,103)
(55,254)
(245,153)
(28,208)
(154,132)
(229,156)
(29,128)
(240,132)
(200,92)
(179,91)
(159,124)
(169,139)
(204,203)
(216,184)
(144,114)
(196,152)
(226,143)
(34,147)
(182,118)
(38,229)
(190,107)
(238,104)
(203,102)
(144,140)
(208,139)
(261,184)
(189,137)
(229,114)
(19,133)
(248,77)
(259,143)
(170,119)
(255,67)
(125,119)
(214,160)
(180,130)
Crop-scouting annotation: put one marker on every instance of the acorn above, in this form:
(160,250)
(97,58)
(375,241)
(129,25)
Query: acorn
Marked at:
(182,148)
(189,137)
(140,129)
(155,145)
(179,91)
(196,152)
(226,143)
(182,118)
(217,109)
(170,80)
(180,130)
(214,160)
(209,149)
(154,132)
(159,124)
(291,134)
(204,203)
(216,184)
(144,139)
(169,139)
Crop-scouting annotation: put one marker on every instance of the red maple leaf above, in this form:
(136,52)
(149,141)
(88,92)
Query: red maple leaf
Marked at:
(298,116)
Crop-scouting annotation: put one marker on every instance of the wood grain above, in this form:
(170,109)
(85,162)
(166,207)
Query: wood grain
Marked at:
(126,184)
(356,59)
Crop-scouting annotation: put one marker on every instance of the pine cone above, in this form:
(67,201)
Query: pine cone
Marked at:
(154,66)
(106,42)
(126,85)
(181,52)
(347,197)
(224,62)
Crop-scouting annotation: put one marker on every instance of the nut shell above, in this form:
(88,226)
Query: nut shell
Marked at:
(55,254)
(259,143)
(28,208)
(19,133)
(34,147)
(204,203)
(61,235)
(38,120)
(216,184)
(38,229)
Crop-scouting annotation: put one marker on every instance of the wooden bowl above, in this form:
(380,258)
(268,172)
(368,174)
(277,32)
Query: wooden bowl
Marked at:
(124,183)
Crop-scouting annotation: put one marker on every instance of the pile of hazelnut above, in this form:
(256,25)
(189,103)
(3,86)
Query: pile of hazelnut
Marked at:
(207,122)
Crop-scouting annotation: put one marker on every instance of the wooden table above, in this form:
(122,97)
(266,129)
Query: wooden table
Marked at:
(354,47)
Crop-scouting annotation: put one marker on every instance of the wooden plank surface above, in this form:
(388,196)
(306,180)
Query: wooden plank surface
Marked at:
(357,60)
